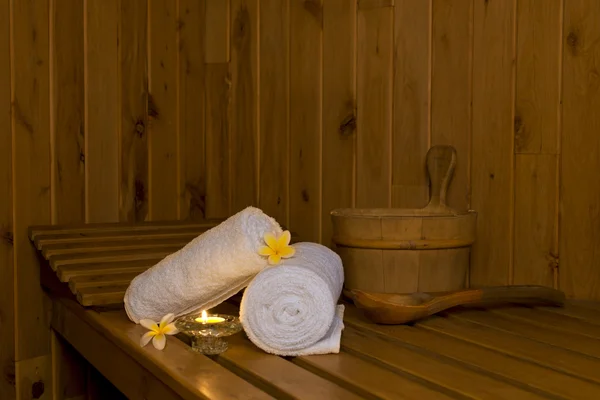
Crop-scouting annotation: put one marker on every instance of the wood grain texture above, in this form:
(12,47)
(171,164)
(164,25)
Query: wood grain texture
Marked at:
(580,152)
(538,76)
(67,113)
(216,31)
(536,213)
(243,110)
(306,41)
(411,112)
(452,29)
(192,151)
(374,102)
(339,109)
(492,146)
(218,87)
(31,172)
(537,124)
(133,85)
(102,119)
(274,81)
(164,127)
(7,267)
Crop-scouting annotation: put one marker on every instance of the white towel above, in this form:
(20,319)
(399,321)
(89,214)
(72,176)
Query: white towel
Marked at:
(207,271)
(291,309)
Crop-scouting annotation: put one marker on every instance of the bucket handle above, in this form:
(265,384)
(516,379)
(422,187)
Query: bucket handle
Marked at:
(441,161)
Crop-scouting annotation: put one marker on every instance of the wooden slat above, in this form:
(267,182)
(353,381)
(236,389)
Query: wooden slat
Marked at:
(217,134)
(67,92)
(274,105)
(589,315)
(457,377)
(519,347)
(306,38)
(102,114)
(492,145)
(339,109)
(163,130)
(451,68)
(537,122)
(108,257)
(76,283)
(549,320)
(101,295)
(374,102)
(66,272)
(580,152)
(60,240)
(367,379)
(277,376)
(243,111)
(133,46)
(30,171)
(113,245)
(117,227)
(536,216)
(192,150)
(7,267)
(570,341)
(145,372)
(411,105)
(216,31)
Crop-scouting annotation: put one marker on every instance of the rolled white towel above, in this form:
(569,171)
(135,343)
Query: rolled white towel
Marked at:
(291,309)
(208,270)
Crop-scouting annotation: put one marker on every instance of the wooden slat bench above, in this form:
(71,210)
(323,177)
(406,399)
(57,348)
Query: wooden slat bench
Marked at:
(502,353)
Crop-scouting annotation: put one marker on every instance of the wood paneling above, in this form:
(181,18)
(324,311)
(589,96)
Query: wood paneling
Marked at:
(7,270)
(579,274)
(101,157)
(163,89)
(339,110)
(411,133)
(375,37)
(192,151)
(306,46)
(492,155)
(133,196)
(193,109)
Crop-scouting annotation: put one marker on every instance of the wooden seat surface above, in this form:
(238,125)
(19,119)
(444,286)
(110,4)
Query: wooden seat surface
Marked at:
(516,353)
(511,352)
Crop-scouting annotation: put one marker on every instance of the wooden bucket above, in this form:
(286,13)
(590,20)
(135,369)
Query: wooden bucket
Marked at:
(408,250)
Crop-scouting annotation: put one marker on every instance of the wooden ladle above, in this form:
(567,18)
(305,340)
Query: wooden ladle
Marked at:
(393,309)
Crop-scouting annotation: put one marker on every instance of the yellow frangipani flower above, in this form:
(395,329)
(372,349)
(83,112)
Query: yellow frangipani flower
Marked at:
(158,331)
(277,248)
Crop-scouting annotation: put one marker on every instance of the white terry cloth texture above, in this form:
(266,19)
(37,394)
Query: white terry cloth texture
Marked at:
(290,309)
(207,271)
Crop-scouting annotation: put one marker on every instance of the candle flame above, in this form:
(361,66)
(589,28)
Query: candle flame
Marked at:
(204,316)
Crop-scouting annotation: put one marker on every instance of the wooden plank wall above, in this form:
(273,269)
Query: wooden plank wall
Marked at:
(138,110)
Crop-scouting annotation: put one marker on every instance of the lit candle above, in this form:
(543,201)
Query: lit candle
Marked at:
(205,319)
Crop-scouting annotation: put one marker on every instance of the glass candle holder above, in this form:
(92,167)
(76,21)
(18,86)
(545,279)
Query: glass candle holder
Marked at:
(209,337)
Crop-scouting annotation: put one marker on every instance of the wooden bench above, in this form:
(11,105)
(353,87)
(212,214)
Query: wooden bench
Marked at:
(512,352)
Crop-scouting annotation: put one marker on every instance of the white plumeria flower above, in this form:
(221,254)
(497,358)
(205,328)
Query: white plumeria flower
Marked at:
(158,331)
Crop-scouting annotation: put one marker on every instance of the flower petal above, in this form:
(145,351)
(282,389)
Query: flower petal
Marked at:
(146,338)
(274,259)
(170,329)
(287,251)
(159,341)
(166,320)
(270,240)
(284,239)
(266,251)
(149,324)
